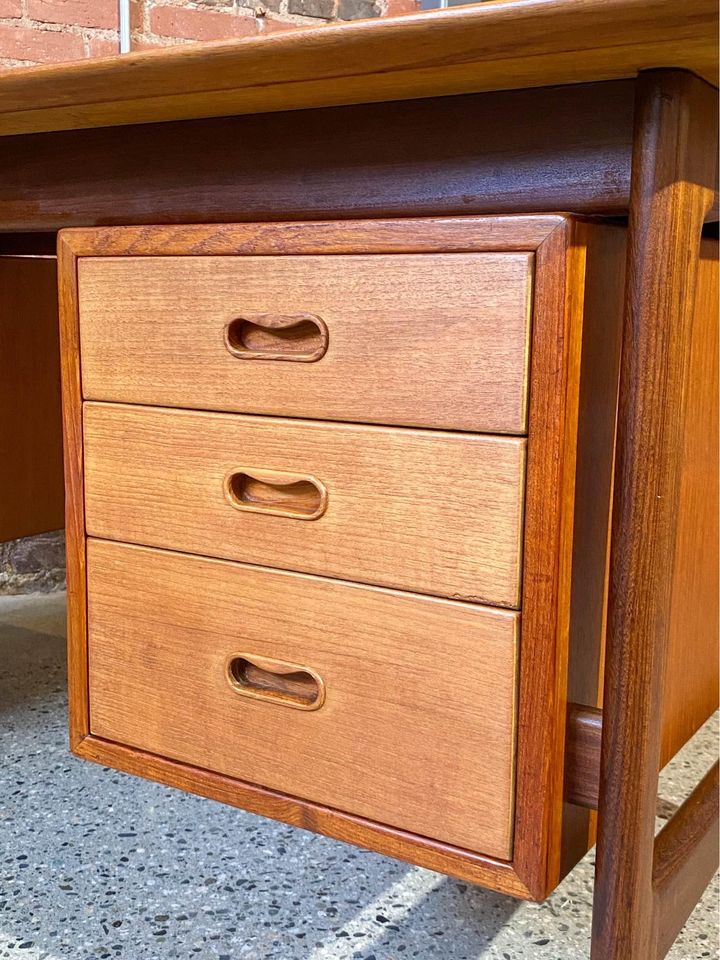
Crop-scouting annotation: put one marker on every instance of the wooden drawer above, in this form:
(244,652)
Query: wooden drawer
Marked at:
(432,340)
(434,512)
(406,716)
(428,747)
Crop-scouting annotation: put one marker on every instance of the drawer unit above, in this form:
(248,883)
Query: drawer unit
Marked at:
(337,522)
(439,513)
(433,340)
(407,695)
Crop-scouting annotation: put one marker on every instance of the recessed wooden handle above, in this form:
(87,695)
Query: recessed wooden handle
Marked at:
(301,337)
(275,681)
(277,493)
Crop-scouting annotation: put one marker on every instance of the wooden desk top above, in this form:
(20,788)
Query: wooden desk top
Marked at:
(502,44)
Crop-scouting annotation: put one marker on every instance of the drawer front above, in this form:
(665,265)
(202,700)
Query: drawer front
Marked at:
(433,340)
(419,693)
(435,512)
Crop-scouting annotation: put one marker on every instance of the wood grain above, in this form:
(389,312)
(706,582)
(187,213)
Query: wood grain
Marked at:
(691,676)
(582,762)
(674,168)
(550,149)
(469,234)
(78,710)
(548,837)
(603,293)
(690,693)
(161,627)
(493,46)
(430,341)
(30,430)
(439,513)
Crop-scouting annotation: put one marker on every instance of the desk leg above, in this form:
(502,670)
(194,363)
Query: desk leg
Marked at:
(31,484)
(672,176)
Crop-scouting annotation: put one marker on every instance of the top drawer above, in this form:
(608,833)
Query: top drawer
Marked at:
(427,340)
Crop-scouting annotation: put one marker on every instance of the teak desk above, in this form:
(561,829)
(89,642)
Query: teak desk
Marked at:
(389,359)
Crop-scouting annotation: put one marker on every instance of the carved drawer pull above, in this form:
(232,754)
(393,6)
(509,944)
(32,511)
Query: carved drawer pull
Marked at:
(301,337)
(293,495)
(275,681)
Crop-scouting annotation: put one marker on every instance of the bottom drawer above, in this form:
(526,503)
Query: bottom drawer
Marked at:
(392,706)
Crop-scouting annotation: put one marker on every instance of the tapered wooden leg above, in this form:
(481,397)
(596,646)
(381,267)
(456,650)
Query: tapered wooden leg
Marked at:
(673,172)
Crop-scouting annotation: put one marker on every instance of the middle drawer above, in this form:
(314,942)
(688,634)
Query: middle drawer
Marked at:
(434,512)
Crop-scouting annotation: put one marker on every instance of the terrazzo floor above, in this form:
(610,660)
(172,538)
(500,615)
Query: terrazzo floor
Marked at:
(95,864)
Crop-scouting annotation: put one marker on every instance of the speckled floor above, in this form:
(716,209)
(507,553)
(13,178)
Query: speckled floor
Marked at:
(95,864)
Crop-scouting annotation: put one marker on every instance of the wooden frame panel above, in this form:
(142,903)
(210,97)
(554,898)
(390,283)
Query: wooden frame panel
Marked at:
(560,148)
(690,689)
(561,246)
(30,441)
(492,46)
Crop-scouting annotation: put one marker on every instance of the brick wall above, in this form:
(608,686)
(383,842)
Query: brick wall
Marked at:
(50,31)
(35,564)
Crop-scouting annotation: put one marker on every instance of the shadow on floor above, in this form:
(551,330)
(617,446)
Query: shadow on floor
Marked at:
(97,864)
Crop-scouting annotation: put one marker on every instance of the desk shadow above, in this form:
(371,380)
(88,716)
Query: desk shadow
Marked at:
(424,915)
(101,864)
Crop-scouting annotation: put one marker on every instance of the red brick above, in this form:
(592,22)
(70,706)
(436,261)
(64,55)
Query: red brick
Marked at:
(189,24)
(39,46)
(137,16)
(81,13)
(394,8)
(103,47)
(10,8)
